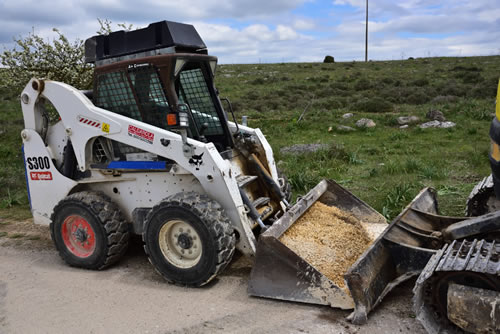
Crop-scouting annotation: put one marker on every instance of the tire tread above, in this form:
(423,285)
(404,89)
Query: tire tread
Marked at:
(216,220)
(109,215)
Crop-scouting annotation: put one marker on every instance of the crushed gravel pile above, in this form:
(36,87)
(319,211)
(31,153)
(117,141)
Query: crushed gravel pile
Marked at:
(329,239)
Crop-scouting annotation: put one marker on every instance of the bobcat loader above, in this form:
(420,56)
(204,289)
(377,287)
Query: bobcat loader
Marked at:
(151,151)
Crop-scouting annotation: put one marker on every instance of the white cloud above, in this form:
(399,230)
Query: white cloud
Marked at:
(275,30)
(286,33)
(303,24)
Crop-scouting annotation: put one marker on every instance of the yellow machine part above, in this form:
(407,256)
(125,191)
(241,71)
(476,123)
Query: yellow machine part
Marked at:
(498,102)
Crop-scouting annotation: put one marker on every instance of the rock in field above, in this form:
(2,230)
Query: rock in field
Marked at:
(448,124)
(348,115)
(407,120)
(435,115)
(437,124)
(345,128)
(365,123)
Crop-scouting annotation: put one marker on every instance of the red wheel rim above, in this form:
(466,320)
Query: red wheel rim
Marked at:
(78,236)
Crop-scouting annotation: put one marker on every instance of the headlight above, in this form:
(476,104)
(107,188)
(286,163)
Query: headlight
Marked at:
(183,119)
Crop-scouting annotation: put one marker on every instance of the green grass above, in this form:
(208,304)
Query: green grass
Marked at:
(16,235)
(385,166)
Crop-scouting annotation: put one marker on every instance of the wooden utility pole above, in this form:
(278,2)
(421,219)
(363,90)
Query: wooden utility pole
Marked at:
(366,33)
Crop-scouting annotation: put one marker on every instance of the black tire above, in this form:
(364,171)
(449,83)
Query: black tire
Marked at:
(167,233)
(285,186)
(104,222)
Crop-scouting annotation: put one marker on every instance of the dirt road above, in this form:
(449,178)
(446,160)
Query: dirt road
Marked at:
(40,294)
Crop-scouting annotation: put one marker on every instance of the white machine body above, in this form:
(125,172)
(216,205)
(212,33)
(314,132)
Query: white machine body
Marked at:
(132,185)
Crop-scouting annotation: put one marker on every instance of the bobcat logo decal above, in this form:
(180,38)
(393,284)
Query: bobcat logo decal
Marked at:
(196,160)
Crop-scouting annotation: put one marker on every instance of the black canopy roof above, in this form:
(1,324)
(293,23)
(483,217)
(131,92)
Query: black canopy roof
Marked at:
(158,35)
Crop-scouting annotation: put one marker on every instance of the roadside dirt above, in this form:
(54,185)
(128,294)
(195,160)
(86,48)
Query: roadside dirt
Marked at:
(40,294)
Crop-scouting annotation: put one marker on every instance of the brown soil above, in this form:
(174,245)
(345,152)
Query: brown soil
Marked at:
(329,239)
(24,234)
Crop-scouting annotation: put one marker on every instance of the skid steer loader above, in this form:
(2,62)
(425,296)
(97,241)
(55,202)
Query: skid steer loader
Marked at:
(150,151)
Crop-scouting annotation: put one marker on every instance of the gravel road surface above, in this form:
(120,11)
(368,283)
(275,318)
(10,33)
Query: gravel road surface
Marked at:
(40,294)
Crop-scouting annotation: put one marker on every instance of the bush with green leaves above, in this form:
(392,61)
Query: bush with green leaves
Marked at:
(329,59)
(33,56)
(58,59)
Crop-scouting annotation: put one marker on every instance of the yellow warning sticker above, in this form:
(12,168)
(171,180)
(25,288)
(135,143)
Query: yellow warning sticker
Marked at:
(105,127)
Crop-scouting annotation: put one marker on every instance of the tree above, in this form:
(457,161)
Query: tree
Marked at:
(329,59)
(34,56)
(57,59)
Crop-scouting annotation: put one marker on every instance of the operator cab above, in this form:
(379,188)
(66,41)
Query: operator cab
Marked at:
(152,73)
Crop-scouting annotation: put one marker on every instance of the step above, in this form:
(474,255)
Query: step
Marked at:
(243,180)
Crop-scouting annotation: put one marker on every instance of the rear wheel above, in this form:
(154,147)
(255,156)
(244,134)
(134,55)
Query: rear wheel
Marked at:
(89,231)
(188,239)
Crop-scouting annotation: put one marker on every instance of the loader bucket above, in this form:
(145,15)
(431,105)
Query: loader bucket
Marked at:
(280,273)
(399,253)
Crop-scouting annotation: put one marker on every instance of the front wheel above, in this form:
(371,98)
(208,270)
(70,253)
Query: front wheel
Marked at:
(188,239)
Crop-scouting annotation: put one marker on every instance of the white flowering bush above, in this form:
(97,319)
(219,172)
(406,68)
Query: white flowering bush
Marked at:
(58,59)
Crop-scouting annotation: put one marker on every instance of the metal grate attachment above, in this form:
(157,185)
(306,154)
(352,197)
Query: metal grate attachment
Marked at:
(194,92)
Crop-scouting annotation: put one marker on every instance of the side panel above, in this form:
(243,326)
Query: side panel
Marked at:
(46,185)
(145,189)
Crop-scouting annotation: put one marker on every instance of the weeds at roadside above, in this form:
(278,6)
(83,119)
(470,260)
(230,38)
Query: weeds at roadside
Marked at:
(431,173)
(354,158)
(397,198)
(16,235)
(412,165)
(10,200)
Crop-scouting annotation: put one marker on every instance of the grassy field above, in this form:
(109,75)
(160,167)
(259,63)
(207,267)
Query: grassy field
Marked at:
(385,166)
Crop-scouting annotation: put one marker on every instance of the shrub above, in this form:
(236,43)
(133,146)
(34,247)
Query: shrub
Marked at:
(329,59)
(465,68)
(452,88)
(388,81)
(59,59)
(421,82)
(485,89)
(339,85)
(33,56)
(418,97)
(373,105)
(472,77)
(258,81)
(362,84)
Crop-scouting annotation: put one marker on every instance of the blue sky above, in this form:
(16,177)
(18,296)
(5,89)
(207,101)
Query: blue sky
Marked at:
(242,31)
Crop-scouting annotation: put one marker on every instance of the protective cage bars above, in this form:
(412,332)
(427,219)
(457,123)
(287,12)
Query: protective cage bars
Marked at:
(194,91)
